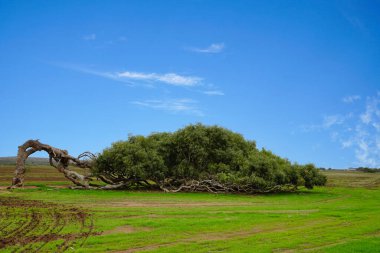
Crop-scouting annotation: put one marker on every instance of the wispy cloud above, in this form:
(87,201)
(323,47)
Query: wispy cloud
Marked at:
(169,78)
(351,99)
(212,49)
(346,143)
(366,144)
(213,93)
(91,36)
(367,134)
(111,42)
(141,78)
(359,132)
(356,22)
(329,121)
(122,38)
(183,105)
(108,75)
(372,112)
(188,83)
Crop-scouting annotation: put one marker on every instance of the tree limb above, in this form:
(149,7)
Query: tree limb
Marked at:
(58,158)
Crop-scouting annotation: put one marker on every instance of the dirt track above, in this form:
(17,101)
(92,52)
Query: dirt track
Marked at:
(33,226)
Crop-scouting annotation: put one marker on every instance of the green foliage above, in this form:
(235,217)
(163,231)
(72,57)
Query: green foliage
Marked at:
(199,152)
(311,176)
(137,158)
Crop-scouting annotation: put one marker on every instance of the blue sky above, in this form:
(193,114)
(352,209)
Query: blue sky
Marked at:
(302,78)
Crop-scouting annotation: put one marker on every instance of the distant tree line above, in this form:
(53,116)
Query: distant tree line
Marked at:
(200,158)
(366,169)
(362,169)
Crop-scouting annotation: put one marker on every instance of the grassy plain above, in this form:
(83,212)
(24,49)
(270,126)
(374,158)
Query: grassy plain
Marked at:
(342,217)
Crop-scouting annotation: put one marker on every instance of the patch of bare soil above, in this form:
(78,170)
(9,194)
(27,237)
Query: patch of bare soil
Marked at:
(24,187)
(30,225)
(60,186)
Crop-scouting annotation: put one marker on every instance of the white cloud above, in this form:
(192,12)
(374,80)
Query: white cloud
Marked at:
(351,99)
(328,121)
(366,136)
(213,93)
(346,143)
(184,105)
(109,75)
(359,132)
(362,153)
(331,120)
(91,36)
(169,78)
(141,78)
(365,117)
(136,79)
(372,110)
(212,49)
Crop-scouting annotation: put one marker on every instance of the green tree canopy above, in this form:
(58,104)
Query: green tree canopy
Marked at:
(201,158)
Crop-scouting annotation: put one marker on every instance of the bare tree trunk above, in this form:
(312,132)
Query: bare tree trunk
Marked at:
(58,158)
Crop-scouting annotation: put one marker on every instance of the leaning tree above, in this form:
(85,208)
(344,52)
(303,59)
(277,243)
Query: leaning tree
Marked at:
(195,158)
(58,158)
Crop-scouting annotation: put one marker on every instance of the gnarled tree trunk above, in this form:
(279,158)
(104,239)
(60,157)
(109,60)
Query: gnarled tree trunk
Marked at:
(58,158)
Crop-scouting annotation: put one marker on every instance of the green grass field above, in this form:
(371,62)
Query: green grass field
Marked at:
(44,217)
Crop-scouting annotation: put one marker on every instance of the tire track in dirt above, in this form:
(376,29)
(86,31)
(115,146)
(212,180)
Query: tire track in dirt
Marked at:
(4,221)
(50,226)
(58,224)
(84,232)
(30,225)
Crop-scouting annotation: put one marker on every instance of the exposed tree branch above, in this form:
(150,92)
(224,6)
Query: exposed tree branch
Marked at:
(58,158)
